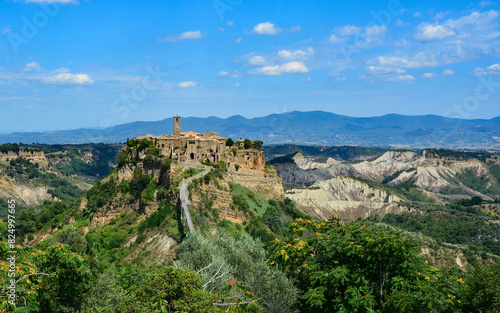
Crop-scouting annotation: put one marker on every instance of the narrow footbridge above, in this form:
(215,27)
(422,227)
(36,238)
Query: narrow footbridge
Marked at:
(184,195)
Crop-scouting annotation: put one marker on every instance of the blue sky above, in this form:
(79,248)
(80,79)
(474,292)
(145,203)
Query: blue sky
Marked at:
(68,64)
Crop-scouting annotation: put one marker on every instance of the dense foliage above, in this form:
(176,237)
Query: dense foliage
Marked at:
(453,227)
(362,268)
(241,260)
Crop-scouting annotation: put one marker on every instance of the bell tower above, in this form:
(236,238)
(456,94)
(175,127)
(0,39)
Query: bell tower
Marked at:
(177,125)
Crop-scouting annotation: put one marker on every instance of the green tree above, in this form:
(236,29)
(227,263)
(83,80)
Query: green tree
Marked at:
(361,268)
(257,144)
(247,144)
(229,142)
(482,290)
(243,260)
(170,289)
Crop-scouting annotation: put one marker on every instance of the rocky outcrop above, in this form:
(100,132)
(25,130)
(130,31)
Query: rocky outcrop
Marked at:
(27,154)
(265,181)
(309,164)
(30,195)
(388,163)
(346,197)
(250,159)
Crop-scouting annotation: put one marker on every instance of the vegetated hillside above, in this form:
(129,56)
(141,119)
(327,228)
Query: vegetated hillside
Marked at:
(129,222)
(320,154)
(450,196)
(122,248)
(311,128)
(35,173)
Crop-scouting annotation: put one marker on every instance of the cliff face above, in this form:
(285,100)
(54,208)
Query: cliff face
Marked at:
(27,154)
(345,197)
(333,191)
(30,195)
(248,168)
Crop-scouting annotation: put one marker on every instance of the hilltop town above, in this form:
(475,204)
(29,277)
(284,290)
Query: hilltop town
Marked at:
(208,147)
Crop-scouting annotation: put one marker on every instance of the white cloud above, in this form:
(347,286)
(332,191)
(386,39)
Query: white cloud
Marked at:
(348,30)
(472,36)
(53,1)
(428,75)
(33,66)
(68,79)
(401,78)
(448,72)
(493,69)
(428,32)
(257,60)
(195,34)
(266,28)
(307,79)
(237,85)
(221,29)
(417,14)
(473,20)
(486,3)
(375,30)
(362,36)
(418,60)
(336,39)
(287,68)
(383,70)
(229,23)
(296,55)
(238,40)
(269,28)
(187,84)
(388,73)
(234,74)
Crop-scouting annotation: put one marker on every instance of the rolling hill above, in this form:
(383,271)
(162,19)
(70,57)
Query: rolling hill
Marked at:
(314,127)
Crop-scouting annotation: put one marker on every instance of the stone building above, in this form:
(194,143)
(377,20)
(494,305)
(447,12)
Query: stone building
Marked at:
(189,145)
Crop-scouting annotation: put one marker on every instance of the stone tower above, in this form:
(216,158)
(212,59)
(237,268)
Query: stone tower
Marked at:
(177,125)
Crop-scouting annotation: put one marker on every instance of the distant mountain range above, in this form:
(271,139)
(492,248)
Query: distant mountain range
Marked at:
(314,127)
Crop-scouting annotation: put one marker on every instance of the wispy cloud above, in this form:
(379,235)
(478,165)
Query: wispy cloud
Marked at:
(33,66)
(401,78)
(428,32)
(493,69)
(195,34)
(388,73)
(266,28)
(68,79)
(448,72)
(296,55)
(367,36)
(269,28)
(287,68)
(187,84)
(428,75)
(234,74)
(415,61)
(257,60)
